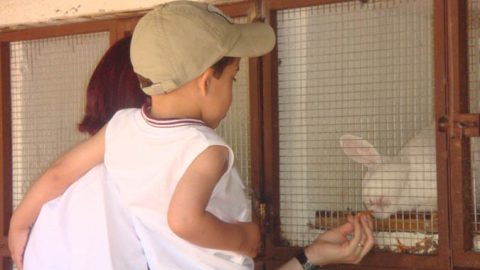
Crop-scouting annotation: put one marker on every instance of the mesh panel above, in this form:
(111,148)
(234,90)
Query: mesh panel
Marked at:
(356,102)
(474,94)
(235,128)
(48,81)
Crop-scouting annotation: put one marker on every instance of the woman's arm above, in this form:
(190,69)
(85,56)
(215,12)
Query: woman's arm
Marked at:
(188,218)
(51,184)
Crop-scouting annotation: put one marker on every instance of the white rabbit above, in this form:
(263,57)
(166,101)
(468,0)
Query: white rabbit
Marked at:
(405,182)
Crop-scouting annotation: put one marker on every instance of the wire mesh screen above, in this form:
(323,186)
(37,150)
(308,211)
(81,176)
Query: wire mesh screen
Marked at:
(474,95)
(48,81)
(235,128)
(356,125)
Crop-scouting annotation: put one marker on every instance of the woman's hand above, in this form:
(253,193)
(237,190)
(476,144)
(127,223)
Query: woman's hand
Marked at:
(334,245)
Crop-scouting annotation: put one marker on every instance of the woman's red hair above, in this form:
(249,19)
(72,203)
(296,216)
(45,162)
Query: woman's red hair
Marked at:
(113,86)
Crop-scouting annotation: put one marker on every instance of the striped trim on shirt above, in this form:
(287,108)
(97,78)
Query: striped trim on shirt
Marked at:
(168,122)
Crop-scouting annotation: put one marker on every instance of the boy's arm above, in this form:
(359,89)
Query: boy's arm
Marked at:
(188,218)
(52,183)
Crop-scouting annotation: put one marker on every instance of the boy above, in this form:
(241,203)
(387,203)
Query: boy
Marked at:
(171,170)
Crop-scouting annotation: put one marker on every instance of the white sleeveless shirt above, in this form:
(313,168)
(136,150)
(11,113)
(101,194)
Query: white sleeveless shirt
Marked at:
(145,158)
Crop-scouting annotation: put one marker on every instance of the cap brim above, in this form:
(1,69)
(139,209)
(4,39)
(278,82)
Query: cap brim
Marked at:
(256,39)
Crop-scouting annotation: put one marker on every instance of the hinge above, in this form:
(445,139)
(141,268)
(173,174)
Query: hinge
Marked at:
(261,210)
(461,125)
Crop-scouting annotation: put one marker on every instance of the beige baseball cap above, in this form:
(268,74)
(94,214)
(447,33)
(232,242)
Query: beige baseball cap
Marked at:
(177,41)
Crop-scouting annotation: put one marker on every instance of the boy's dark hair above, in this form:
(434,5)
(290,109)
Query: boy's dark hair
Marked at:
(113,86)
(218,69)
(220,66)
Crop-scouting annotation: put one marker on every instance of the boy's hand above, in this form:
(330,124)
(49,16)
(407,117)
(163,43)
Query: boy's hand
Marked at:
(17,241)
(251,242)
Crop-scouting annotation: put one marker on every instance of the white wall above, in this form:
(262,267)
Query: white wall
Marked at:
(14,13)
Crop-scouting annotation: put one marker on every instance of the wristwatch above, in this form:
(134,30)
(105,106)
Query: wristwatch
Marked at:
(307,265)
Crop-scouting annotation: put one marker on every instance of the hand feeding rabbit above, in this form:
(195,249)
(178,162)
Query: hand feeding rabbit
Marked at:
(405,182)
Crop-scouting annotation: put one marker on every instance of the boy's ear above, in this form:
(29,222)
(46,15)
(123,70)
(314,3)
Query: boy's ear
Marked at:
(204,81)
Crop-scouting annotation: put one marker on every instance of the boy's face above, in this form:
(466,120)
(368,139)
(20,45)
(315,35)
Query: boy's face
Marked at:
(219,96)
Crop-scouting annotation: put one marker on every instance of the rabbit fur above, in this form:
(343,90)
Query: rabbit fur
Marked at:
(404,182)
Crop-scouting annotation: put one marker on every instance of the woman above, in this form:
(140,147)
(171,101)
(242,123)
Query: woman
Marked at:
(75,230)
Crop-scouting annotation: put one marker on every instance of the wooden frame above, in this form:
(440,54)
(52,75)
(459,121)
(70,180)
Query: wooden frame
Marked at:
(5,148)
(459,143)
(277,252)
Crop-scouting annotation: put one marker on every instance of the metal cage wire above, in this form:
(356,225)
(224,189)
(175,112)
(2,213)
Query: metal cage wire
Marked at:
(364,69)
(235,128)
(48,81)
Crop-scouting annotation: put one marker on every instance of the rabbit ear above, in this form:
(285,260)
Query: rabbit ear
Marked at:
(360,150)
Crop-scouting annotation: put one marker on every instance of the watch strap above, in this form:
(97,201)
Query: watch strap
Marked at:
(303,260)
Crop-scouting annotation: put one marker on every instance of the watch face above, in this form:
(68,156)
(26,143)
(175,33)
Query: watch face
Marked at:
(309,266)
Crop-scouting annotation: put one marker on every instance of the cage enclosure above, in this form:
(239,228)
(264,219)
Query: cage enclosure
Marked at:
(355,117)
